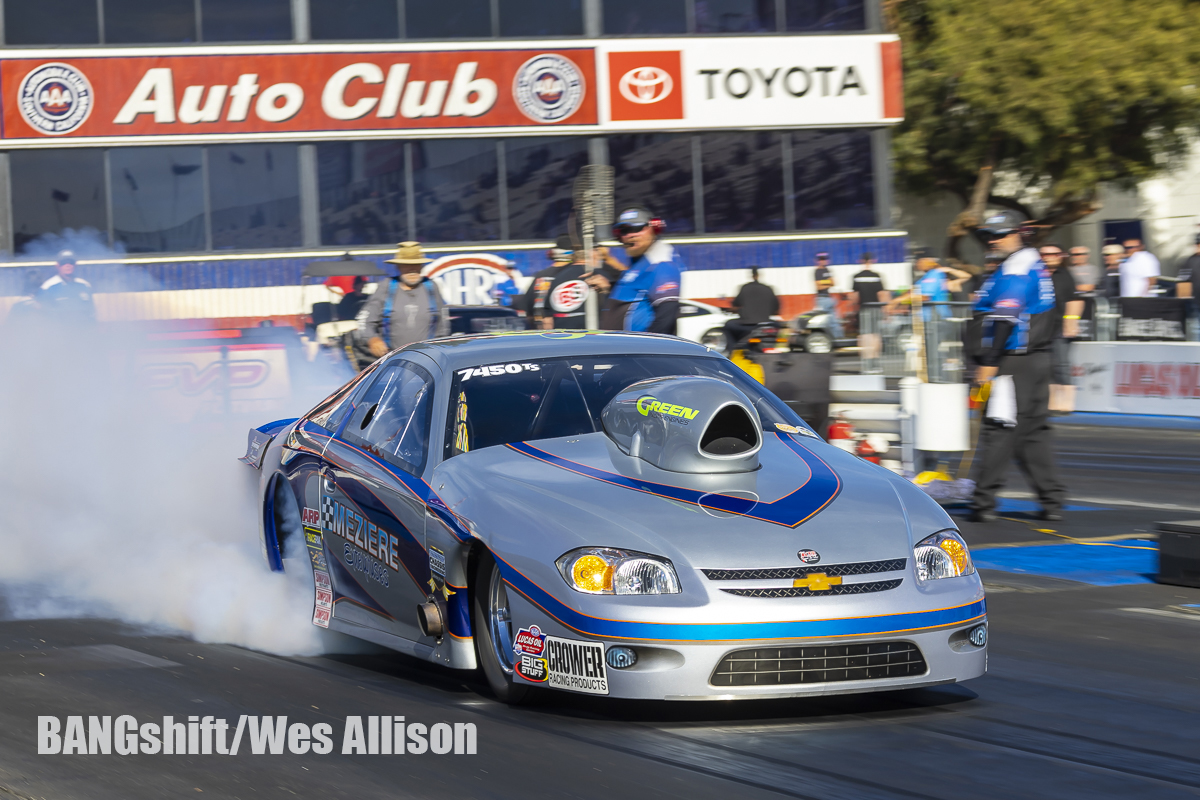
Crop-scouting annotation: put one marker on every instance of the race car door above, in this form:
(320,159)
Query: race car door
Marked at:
(373,511)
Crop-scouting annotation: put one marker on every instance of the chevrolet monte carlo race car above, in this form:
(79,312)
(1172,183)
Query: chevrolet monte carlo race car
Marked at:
(615,514)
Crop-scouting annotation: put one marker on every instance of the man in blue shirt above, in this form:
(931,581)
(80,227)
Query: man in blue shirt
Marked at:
(646,298)
(66,298)
(1016,307)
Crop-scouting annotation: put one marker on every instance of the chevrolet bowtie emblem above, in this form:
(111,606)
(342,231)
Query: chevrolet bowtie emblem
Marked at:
(817,582)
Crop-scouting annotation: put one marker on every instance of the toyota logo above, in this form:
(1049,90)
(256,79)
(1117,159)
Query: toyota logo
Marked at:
(645,85)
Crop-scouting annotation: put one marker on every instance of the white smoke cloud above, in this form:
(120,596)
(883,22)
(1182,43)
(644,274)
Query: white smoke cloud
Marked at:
(112,511)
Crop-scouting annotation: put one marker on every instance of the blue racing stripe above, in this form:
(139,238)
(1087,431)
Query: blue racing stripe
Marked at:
(738,631)
(813,495)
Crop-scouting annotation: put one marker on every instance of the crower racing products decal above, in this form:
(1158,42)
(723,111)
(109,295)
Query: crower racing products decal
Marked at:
(532,668)
(548,88)
(576,666)
(681,414)
(323,600)
(362,533)
(55,99)
(530,640)
(496,369)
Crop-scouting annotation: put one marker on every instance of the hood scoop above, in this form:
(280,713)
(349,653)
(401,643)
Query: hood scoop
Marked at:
(686,423)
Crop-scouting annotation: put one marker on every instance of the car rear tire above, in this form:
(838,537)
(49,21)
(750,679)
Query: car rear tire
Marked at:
(818,343)
(716,339)
(492,622)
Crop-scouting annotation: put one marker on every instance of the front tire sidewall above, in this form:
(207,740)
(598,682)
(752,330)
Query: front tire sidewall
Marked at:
(501,683)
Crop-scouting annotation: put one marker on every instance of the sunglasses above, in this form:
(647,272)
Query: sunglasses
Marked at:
(1052,252)
(625,230)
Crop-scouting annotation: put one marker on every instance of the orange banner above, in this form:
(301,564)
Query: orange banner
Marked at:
(296,92)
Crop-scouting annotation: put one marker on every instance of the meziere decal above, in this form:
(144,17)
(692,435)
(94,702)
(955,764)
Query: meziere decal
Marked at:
(576,666)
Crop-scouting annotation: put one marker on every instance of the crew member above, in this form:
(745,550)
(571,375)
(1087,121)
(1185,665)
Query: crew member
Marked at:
(66,297)
(505,292)
(566,300)
(755,304)
(1017,333)
(537,296)
(404,309)
(823,279)
(646,297)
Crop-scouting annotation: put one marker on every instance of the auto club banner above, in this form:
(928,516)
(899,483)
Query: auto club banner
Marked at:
(99,96)
(1137,378)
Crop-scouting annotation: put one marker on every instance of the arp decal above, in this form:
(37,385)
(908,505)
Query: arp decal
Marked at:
(576,666)
(361,532)
(311,516)
(530,640)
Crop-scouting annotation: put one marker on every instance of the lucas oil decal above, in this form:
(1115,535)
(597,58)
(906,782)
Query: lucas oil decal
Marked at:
(530,640)
(576,666)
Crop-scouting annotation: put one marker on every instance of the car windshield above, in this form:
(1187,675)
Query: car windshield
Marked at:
(542,399)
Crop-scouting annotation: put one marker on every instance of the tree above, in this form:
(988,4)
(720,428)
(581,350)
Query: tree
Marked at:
(1032,104)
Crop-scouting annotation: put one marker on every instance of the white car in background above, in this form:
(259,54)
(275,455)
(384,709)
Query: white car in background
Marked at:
(700,322)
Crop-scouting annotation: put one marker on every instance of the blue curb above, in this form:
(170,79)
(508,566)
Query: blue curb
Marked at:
(1128,421)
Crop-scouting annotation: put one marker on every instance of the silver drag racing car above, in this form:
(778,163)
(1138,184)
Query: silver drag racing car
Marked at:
(613,514)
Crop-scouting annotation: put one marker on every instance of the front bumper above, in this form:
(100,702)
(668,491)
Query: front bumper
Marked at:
(684,670)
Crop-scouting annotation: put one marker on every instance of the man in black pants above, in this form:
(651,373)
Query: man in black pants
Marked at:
(755,304)
(1017,305)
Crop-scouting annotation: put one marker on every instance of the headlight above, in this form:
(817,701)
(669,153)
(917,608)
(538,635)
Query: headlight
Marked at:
(943,555)
(605,570)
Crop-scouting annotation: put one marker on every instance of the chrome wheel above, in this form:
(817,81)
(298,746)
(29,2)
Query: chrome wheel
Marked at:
(500,621)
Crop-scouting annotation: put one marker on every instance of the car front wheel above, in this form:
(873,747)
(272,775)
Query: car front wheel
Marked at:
(492,622)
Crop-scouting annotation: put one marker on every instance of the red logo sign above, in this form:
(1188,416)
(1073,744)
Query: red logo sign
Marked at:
(310,516)
(530,640)
(646,85)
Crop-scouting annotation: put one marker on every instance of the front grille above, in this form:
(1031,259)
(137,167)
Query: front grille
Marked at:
(860,568)
(799,591)
(784,666)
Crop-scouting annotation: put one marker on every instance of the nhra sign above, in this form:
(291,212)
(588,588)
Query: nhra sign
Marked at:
(1137,378)
(191,381)
(238,92)
(468,280)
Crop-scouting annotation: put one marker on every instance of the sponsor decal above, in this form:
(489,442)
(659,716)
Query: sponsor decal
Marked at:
(321,617)
(324,598)
(321,579)
(1008,304)
(318,559)
(569,296)
(809,556)
(311,516)
(360,562)
(437,562)
(530,640)
(312,538)
(794,429)
(1164,379)
(191,379)
(532,668)
(645,85)
(576,666)
(55,99)
(648,404)
(548,88)
(496,370)
(361,532)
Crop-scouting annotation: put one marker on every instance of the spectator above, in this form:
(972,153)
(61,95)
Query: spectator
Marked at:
(867,286)
(646,297)
(352,300)
(1085,273)
(934,284)
(1112,254)
(65,296)
(824,282)
(505,292)
(755,303)
(1139,272)
(404,309)
(537,296)
(1068,308)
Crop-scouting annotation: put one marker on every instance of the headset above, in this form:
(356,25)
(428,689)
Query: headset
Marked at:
(655,222)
